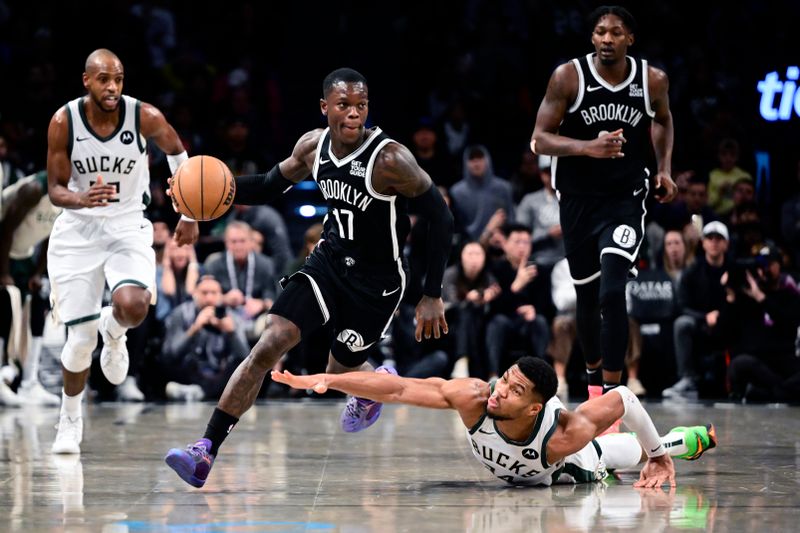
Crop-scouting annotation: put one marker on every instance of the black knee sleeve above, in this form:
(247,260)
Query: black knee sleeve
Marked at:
(613,310)
(587,320)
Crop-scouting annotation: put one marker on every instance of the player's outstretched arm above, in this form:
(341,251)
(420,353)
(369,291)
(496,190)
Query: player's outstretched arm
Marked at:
(562,90)
(596,415)
(258,189)
(468,396)
(397,172)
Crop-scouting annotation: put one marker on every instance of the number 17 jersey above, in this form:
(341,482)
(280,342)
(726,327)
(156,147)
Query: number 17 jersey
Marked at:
(362,225)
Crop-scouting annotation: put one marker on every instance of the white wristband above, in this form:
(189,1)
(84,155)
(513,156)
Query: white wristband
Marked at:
(187,219)
(637,419)
(176,160)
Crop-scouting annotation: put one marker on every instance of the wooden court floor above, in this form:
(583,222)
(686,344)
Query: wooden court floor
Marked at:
(288,467)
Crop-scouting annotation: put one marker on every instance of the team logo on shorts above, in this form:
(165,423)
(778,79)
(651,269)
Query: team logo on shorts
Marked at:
(351,339)
(126,137)
(624,236)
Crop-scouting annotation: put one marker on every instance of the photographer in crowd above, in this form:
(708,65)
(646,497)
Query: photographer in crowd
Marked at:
(203,346)
(760,318)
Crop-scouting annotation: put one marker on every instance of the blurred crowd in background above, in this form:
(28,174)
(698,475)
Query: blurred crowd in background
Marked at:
(714,311)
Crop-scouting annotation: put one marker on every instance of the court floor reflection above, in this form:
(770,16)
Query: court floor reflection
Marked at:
(288,467)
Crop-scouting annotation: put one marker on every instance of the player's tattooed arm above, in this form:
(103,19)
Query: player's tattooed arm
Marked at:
(297,166)
(397,172)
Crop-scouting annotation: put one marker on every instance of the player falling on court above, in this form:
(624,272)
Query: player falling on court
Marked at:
(522,432)
(97,170)
(597,119)
(355,277)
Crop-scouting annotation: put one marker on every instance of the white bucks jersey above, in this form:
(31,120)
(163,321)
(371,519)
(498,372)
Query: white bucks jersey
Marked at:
(37,224)
(120,158)
(523,462)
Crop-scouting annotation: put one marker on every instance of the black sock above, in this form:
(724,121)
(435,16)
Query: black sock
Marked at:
(609,386)
(595,376)
(219,425)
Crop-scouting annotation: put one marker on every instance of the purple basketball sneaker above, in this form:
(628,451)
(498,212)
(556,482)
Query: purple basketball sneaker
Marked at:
(192,464)
(360,413)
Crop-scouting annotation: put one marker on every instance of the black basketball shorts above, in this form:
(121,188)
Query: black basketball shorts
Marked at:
(595,226)
(359,303)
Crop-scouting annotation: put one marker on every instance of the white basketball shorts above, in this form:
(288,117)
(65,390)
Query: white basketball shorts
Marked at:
(86,252)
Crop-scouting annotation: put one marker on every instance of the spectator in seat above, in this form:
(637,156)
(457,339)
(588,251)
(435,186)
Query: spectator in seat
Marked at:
(700,298)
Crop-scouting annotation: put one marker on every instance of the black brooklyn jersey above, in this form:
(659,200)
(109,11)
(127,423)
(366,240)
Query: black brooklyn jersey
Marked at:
(361,224)
(600,108)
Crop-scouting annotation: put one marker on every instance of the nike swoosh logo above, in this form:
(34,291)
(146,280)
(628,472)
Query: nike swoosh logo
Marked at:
(590,89)
(79,139)
(390,293)
(486,432)
(323,161)
(636,193)
(654,450)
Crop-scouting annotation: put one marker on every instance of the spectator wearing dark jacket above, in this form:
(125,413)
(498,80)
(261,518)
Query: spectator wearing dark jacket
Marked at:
(521,313)
(700,298)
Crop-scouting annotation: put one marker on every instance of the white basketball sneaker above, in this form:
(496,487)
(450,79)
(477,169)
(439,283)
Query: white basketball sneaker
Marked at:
(70,435)
(33,393)
(114,357)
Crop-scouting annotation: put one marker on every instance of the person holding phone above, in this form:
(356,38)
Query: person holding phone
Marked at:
(203,345)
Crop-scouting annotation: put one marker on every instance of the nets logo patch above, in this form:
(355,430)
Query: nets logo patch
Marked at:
(624,236)
(126,137)
(352,339)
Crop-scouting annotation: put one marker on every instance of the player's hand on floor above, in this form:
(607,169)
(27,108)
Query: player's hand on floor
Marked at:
(316,382)
(430,318)
(656,472)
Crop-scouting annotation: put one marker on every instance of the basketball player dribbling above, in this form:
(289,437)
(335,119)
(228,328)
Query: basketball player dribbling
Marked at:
(98,172)
(355,277)
(597,118)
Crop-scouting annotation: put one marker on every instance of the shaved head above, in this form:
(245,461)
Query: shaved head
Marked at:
(100,58)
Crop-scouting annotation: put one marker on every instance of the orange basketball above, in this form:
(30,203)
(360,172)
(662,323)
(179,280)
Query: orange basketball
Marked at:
(203,188)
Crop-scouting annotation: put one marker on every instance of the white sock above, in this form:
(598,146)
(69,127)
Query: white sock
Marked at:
(71,405)
(30,373)
(675,443)
(622,451)
(110,324)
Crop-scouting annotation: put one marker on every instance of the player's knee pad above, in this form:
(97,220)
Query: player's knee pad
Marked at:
(81,341)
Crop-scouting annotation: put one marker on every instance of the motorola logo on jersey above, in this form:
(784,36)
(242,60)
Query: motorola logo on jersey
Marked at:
(530,453)
(771,86)
(90,165)
(624,236)
(126,137)
(351,339)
